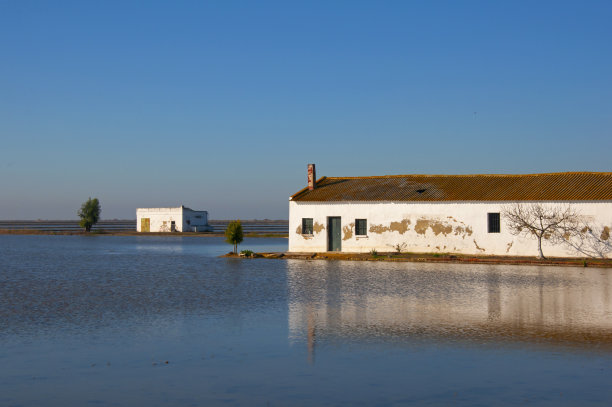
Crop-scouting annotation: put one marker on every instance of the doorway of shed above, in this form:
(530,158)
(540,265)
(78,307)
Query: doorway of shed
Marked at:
(145,224)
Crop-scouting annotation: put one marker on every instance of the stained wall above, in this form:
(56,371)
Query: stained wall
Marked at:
(445,227)
(160,219)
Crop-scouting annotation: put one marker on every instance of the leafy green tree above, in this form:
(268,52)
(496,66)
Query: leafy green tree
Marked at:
(233,234)
(89,213)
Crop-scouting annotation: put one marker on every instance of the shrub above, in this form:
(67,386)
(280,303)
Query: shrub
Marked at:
(233,234)
(89,213)
(398,247)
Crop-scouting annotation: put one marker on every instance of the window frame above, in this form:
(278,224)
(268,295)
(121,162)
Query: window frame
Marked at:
(365,227)
(493,222)
(307,229)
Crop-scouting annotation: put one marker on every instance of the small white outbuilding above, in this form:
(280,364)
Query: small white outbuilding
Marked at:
(441,213)
(181,219)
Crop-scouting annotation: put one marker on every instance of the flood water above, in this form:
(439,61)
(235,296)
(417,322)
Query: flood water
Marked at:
(160,321)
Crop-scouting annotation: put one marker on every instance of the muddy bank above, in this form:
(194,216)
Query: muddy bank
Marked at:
(436,258)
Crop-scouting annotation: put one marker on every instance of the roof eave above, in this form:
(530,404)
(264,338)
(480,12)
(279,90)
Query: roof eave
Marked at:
(301,191)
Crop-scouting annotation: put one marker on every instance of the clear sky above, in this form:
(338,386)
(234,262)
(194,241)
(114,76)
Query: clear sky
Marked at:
(220,105)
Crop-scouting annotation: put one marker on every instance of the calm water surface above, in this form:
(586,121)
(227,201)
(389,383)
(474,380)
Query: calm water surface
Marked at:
(114,321)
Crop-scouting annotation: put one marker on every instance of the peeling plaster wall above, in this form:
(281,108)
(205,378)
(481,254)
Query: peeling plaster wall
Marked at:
(446,227)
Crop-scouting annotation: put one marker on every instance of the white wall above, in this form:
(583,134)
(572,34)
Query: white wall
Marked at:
(186,220)
(195,221)
(161,218)
(447,227)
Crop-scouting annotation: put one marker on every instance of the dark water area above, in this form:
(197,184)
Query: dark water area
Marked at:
(129,320)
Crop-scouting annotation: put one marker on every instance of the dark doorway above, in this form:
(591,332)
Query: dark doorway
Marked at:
(334,234)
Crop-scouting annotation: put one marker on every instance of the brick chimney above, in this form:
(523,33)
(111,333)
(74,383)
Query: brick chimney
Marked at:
(312,177)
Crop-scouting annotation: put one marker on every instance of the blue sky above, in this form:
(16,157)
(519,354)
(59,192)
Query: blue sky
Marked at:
(220,105)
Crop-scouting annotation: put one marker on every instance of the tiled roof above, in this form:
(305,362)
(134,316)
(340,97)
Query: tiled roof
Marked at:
(562,186)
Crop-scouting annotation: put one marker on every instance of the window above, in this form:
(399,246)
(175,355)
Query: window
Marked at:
(361,227)
(493,223)
(307,226)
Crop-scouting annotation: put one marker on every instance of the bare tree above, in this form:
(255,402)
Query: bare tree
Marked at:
(591,242)
(556,223)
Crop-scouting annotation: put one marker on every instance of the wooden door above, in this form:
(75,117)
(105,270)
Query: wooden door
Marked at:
(145,224)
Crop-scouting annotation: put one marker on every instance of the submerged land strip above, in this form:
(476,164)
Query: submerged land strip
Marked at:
(435,258)
(132,233)
(251,228)
(391,256)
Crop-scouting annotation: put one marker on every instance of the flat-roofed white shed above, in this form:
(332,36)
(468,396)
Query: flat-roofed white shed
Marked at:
(179,219)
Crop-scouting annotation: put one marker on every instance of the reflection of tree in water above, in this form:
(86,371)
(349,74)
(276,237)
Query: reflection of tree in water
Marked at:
(311,335)
(494,295)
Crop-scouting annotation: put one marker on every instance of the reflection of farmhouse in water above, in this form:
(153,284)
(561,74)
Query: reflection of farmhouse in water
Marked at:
(406,303)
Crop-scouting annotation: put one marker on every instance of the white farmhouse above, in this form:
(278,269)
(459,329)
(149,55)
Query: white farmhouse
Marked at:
(179,219)
(440,213)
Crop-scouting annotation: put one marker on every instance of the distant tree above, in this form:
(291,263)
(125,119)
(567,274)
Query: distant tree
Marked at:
(233,234)
(89,213)
(556,223)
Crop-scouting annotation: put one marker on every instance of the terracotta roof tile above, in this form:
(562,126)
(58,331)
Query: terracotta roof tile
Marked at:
(563,186)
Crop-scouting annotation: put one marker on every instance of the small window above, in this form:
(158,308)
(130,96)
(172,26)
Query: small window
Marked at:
(307,226)
(361,227)
(493,223)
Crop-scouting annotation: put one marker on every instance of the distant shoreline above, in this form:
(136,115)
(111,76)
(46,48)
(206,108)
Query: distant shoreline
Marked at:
(254,227)
(134,233)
